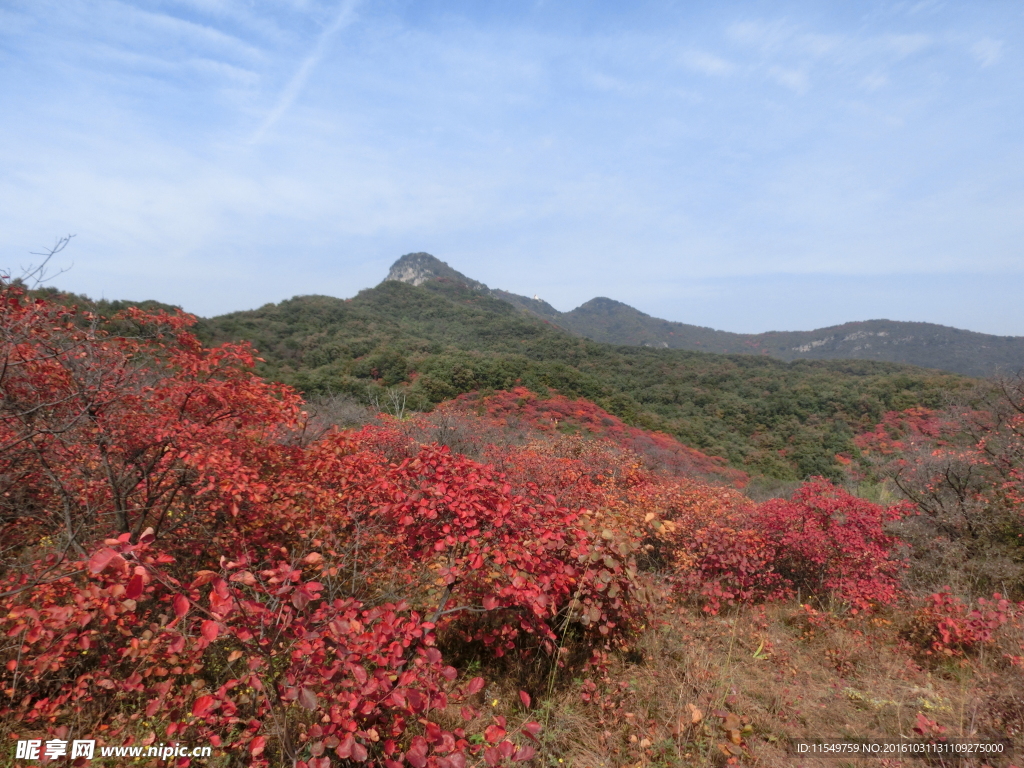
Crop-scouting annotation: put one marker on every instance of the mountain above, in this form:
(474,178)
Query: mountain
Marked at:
(924,344)
(434,334)
(601,319)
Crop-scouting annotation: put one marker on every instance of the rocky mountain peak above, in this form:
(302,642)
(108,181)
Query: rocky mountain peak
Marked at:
(419,268)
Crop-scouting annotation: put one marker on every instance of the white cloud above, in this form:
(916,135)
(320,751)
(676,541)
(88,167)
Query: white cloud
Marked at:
(819,45)
(925,6)
(168,27)
(707,63)
(766,36)
(794,79)
(875,81)
(987,51)
(906,45)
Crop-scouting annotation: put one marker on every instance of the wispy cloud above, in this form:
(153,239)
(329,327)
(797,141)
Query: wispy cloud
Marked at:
(344,17)
(529,150)
(707,63)
(906,45)
(987,51)
(766,36)
(794,79)
(165,27)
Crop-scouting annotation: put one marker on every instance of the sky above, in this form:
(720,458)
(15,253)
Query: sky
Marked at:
(748,166)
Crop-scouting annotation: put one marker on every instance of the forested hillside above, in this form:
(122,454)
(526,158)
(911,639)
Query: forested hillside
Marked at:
(444,338)
(924,344)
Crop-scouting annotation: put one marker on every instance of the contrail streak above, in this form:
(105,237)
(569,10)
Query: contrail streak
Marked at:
(295,85)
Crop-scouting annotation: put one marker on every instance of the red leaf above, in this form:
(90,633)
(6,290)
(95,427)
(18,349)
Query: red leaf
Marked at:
(531,729)
(300,599)
(210,630)
(525,698)
(180,605)
(101,559)
(134,588)
(344,750)
(203,706)
(475,686)
(494,733)
(416,701)
(257,746)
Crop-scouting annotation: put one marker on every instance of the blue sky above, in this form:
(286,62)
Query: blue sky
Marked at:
(745,166)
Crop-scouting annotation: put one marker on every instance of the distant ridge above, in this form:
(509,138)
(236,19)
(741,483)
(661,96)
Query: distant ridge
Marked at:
(605,320)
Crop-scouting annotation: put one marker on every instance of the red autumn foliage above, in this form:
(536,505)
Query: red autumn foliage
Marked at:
(179,563)
(963,469)
(823,542)
(171,549)
(827,541)
(495,550)
(900,430)
(558,412)
(946,626)
(924,448)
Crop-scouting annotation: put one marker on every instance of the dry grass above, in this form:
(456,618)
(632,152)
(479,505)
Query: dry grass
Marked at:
(782,677)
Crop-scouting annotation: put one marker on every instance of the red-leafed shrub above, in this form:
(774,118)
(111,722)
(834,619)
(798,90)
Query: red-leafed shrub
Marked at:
(701,536)
(730,566)
(177,566)
(502,560)
(827,542)
(900,430)
(559,413)
(945,625)
(262,640)
(926,727)
(823,542)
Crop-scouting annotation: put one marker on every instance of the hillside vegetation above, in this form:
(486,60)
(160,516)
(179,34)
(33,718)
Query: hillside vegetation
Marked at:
(924,344)
(445,338)
(192,555)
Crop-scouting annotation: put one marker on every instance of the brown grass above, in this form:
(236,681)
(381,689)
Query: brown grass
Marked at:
(782,677)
